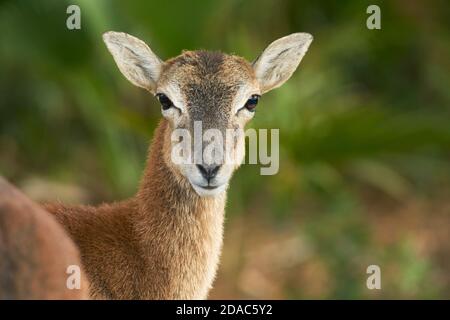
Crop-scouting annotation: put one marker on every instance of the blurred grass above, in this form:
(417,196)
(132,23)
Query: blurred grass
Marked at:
(366,116)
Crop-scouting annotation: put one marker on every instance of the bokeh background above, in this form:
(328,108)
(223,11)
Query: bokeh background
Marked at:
(364,132)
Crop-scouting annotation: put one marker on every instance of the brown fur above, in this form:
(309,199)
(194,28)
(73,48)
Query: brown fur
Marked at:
(162,244)
(35,251)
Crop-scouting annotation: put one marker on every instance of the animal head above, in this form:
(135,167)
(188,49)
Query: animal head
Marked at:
(214,92)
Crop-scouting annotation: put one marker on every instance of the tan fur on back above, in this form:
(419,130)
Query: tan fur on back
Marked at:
(34,251)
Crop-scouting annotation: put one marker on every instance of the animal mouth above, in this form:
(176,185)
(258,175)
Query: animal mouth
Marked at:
(208,187)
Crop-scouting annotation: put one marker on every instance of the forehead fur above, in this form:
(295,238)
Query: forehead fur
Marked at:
(195,66)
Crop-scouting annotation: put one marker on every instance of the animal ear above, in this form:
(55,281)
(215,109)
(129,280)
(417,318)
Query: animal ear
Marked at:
(278,61)
(135,59)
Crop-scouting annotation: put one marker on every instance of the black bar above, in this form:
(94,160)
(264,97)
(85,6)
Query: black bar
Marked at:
(223,309)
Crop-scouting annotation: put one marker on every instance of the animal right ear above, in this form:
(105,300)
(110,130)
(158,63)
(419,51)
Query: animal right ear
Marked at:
(135,59)
(280,59)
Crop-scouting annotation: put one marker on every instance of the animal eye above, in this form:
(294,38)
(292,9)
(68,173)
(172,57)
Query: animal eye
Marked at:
(166,103)
(251,103)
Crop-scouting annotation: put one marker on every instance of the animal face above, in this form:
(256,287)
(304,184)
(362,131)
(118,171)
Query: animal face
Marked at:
(210,94)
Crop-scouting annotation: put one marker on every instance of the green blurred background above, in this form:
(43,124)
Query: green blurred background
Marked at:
(364,134)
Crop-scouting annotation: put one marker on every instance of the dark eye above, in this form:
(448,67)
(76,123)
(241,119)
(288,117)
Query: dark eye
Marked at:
(166,103)
(251,103)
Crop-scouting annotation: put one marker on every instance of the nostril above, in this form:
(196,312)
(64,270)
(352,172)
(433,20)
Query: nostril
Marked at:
(208,172)
(214,171)
(202,170)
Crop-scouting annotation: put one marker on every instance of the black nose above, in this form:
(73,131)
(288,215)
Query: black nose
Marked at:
(208,171)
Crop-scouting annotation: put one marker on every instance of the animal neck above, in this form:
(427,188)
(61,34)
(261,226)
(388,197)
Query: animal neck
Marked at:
(179,231)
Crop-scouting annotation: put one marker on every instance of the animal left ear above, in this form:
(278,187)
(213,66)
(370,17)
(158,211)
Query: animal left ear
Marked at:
(278,61)
(135,59)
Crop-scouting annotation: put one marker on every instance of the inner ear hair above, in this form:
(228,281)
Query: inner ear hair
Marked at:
(135,59)
(280,59)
